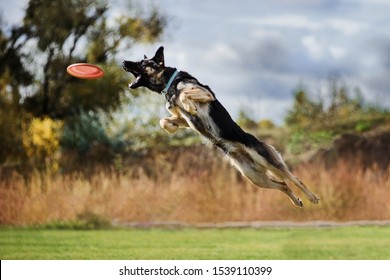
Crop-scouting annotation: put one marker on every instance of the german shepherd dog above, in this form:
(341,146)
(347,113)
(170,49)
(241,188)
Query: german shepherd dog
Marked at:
(194,105)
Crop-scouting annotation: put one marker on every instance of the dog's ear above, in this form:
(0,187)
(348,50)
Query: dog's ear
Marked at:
(159,56)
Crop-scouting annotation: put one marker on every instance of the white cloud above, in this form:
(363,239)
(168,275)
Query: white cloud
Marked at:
(347,27)
(313,46)
(376,2)
(264,33)
(318,49)
(291,21)
(286,20)
(337,51)
(220,53)
(297,21)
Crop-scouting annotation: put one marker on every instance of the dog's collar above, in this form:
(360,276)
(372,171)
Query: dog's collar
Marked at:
(165,90)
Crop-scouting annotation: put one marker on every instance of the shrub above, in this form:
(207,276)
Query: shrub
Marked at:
(41,141)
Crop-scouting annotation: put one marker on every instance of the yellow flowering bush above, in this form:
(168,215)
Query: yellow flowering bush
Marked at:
(41,140)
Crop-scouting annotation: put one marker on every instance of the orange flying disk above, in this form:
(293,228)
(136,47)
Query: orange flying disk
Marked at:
(85,71)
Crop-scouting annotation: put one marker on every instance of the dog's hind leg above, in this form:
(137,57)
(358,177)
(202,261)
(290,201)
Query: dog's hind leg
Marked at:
(255,172)
(287,175)
(264,182)
(260,179)
(309,194)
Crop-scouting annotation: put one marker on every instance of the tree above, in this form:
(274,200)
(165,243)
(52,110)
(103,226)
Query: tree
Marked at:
(304,110)
(13,74)
(55,34)
(315,122)
(266,124)
(245,121)
(336,108)
(34,56)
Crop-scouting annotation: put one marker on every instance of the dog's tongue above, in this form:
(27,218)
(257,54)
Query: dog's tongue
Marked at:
(134,84)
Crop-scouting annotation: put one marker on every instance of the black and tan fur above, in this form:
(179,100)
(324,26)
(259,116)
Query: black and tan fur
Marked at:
(194,105)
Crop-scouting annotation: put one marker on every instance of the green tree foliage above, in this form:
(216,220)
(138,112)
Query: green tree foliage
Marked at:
(266,124)
(89,129)
(337,109)
(13,74)
(58,33)
(315,122)
(304,110)
(245,121)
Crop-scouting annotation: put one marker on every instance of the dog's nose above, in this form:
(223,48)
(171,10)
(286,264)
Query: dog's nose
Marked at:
(124,65)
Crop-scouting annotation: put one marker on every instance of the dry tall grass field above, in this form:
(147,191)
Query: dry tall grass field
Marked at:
(193,186)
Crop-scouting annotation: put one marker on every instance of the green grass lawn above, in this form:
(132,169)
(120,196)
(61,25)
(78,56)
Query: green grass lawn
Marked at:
(367,242)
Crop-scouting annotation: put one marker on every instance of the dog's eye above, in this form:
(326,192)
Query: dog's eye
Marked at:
(148,63)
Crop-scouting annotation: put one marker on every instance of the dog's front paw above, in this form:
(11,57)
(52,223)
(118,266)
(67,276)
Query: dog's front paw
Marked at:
(168,125)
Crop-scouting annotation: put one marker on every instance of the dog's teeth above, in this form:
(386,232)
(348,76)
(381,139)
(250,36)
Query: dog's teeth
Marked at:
(130,85)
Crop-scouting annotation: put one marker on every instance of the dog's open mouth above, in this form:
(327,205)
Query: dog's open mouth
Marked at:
(136,70)
(135,83)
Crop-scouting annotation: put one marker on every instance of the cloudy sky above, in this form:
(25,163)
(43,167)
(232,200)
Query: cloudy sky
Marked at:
(254,53)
